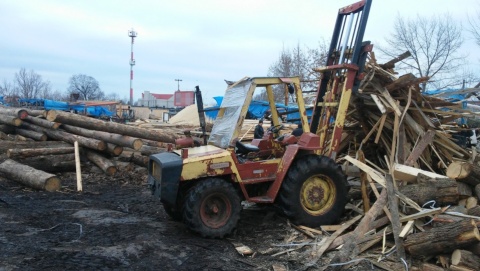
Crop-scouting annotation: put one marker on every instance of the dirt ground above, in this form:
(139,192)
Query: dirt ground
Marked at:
(116,224)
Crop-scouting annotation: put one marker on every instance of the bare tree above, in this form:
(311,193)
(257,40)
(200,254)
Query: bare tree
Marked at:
(433,43)
(7,88)
(474,27)
(30,84)
(112,97)
(86,86)
(297,62)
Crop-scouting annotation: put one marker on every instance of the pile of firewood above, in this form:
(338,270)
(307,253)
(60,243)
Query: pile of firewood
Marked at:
(36,142)
(424,187)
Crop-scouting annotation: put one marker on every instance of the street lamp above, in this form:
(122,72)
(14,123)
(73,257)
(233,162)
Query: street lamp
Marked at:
(178,82)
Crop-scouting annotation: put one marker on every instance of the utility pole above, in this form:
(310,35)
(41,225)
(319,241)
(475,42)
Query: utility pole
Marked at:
(132,34)
(178,81)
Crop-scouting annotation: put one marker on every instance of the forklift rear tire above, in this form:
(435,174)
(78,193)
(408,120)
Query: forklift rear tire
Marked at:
(314,191)
(212,208)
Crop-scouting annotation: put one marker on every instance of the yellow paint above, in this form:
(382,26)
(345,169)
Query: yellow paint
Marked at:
(317,195)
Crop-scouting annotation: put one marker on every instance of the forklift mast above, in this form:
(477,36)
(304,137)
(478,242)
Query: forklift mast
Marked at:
(341,76)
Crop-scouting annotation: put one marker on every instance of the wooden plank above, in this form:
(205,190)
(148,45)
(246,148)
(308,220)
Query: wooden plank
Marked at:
(380,128)
(407,229)
(426,139)
(423,213)
(379,103)
(393,207)
(409,174)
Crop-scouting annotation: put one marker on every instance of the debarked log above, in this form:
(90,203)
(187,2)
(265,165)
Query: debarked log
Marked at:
(444,239)
(30,176)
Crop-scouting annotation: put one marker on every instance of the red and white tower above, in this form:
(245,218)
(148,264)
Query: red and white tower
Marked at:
(132,34)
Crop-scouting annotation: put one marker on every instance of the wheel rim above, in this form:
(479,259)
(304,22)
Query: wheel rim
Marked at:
(317,194)
(215,210)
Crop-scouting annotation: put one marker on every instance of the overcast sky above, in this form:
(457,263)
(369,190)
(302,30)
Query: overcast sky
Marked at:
(200,42)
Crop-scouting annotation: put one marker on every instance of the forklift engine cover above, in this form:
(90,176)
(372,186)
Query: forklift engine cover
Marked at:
(164,171)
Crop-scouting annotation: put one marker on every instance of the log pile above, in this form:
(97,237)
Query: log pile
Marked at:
(45,143)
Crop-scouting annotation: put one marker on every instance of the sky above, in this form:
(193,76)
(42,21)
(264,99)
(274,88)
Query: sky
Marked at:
(200,42)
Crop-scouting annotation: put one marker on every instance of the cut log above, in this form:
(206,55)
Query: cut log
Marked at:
(140,160)
(148,150)
(68,137)
(466,259)
(155,143)
(10,120)
(443,239)
(35,113)
(431,267)
(24,153)
(443,191)
(43,122)
(31,134)
(475,211)
(111,127)
(29,176)
(471,202)
(124,141)
(460,268)
(103,163)
(113,149)
(52,163)
(14,112)
(7,129)
(5,145)
(464,172)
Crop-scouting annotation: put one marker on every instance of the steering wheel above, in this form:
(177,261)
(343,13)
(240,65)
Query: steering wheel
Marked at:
(275,129)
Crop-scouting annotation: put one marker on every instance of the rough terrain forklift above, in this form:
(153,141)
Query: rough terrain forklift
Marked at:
(204,186)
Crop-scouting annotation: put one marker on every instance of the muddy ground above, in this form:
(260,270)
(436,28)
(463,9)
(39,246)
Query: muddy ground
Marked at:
(115,224)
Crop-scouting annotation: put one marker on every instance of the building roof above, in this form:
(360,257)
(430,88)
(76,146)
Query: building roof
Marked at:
(162,96)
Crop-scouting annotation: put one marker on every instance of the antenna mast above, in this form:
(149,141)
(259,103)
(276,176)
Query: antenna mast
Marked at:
(132,34)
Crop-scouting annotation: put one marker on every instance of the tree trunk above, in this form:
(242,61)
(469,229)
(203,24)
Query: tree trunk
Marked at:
(68,137)
(154,143)
(466,259)
(29,176)
(140,160)
(111,127)
(52,163)
(475,211)
(7,129)
(443,239)
(113,149)
(10,120)
(103,163)
(443,191)
(15,112)
(43,122)
(147,150)
(31,134)
(35,113)
(25,153)
(124,141)
(5,145)
(464,172)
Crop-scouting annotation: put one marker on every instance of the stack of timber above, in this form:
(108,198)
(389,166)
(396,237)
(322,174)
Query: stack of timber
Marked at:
(44,142)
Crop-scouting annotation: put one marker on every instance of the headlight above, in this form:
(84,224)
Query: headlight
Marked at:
(156,171)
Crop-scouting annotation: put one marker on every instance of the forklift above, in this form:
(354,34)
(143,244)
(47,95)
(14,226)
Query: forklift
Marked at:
(204,186)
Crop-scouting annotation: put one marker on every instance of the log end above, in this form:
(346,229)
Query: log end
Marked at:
(55,125)
(101,146)
(111,170)
(52,184)
(51,115)
(117,150)
(17,122)
(22,114)
(137,144)
(43,137)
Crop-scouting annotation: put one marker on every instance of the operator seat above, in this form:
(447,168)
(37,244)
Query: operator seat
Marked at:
(241,148)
